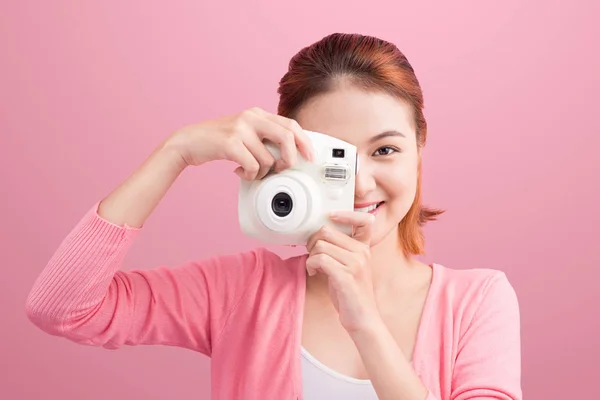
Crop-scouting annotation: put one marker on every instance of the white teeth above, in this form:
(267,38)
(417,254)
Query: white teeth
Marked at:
(367,209)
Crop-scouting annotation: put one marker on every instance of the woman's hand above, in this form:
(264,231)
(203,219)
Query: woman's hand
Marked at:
(236,138)
(239,138)
(346,262)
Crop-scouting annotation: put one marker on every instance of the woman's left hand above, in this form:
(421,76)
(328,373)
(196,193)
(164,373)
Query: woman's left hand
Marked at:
(346,262)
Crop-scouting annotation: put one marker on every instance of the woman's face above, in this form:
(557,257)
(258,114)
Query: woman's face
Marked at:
(382,129)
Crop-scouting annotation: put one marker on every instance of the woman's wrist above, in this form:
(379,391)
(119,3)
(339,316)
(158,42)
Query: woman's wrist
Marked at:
(172,150)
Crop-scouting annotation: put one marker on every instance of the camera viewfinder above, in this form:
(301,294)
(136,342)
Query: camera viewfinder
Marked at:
(338,153)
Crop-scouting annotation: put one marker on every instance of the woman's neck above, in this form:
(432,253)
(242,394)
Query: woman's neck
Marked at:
(388,262)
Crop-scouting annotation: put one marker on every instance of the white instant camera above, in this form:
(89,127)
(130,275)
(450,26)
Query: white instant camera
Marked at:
(286,208)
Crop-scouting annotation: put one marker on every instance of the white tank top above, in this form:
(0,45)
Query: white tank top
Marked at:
(320,382)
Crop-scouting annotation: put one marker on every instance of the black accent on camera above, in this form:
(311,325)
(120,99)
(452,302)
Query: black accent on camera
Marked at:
(282,204)
(338,153)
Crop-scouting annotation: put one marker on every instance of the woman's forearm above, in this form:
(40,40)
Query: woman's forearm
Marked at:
(132,202)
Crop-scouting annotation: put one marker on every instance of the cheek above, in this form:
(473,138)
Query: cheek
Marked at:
(411,180)
(399,181)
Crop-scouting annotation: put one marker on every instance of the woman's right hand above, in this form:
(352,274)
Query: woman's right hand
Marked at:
(236,138)
(239,138)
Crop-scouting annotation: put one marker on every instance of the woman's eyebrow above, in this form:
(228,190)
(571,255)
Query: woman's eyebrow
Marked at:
(386,134)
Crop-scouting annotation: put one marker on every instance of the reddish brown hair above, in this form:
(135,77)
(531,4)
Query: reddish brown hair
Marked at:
(371,64)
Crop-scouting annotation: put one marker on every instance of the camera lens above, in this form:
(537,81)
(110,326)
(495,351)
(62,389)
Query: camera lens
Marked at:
(281,204)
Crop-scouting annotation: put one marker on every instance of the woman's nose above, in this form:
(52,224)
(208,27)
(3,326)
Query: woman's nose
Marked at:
(364,183)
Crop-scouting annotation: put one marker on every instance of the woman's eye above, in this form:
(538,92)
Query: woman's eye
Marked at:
(385,151)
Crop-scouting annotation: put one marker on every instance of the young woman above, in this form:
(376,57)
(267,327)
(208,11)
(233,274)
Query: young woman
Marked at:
(356,317)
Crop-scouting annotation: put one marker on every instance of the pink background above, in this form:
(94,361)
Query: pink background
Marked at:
(511,89)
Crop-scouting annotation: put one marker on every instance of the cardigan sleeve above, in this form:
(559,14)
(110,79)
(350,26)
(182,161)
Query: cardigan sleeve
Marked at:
(83,294)
(488,360)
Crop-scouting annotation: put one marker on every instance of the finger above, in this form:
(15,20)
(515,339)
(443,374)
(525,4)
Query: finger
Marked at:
(318,235)
(313,239)
(261,154)
(282,137)
(337,238)
(248,165)
(360,221)
(326,264)
(321,234)
(302,142)
(341,255)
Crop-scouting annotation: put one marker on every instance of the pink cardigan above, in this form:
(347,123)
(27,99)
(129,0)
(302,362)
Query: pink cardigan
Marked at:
(245,311)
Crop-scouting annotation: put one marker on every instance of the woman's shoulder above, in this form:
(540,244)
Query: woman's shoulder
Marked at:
(474,290)
(464,279)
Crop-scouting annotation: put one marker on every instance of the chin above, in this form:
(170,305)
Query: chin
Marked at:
(386,223)
(383,234)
